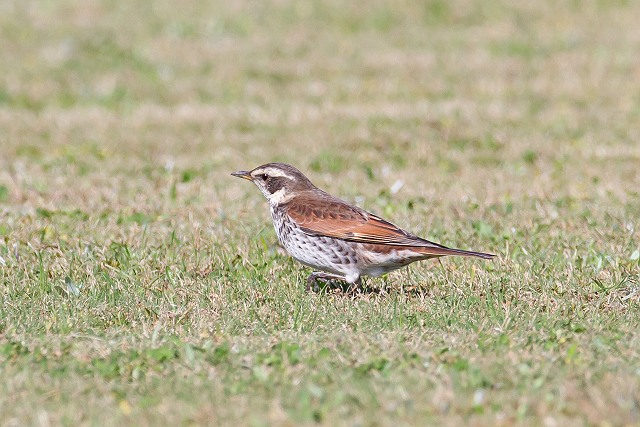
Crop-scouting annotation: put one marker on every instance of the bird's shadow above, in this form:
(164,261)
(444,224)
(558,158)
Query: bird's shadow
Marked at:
(364,289)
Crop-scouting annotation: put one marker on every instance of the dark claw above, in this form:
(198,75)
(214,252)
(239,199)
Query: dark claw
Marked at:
(333,281)
(312,280)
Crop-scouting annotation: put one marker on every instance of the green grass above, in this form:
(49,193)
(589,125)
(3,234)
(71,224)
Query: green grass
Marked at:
(141,284)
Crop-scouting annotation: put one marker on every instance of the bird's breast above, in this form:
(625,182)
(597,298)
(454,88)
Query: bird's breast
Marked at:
(321,252)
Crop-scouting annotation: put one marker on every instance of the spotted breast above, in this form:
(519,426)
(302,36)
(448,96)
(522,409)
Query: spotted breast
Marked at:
(320,252)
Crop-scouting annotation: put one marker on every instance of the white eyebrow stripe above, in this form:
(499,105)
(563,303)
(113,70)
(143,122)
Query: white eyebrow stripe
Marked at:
(272,172)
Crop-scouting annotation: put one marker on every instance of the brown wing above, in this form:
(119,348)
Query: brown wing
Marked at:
(329,216)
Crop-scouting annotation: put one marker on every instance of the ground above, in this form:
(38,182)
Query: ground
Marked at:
(141,284)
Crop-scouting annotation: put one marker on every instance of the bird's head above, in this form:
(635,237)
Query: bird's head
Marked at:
(279,182)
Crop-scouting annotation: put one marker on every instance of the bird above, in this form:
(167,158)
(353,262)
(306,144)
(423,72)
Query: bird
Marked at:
(338,240)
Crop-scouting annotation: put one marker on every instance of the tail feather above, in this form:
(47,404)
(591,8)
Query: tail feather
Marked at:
(444,251)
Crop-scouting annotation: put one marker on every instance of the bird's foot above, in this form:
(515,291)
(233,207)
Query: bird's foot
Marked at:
(327,278)
(333,281)
(355,287)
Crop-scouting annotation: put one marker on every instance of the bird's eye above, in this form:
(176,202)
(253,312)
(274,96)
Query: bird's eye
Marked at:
(264,176)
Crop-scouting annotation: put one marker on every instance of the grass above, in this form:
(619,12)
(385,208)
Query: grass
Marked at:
(143,285)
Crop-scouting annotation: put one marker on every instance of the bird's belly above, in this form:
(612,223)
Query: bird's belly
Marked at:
(323,253)
(376,263)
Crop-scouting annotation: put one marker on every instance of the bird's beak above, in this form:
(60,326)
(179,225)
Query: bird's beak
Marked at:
(243,174)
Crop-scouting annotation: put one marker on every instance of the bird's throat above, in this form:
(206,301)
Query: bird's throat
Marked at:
(279,197)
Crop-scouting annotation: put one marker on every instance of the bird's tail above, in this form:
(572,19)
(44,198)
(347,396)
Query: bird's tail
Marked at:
(438,251)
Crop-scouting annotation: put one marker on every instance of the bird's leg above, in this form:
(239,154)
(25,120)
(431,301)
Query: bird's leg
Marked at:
(354,287)
(312,280)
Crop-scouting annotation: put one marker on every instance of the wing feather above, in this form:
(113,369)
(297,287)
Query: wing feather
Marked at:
(321,214)
(332,217)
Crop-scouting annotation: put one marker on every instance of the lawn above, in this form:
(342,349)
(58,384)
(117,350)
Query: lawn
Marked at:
(141,284)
